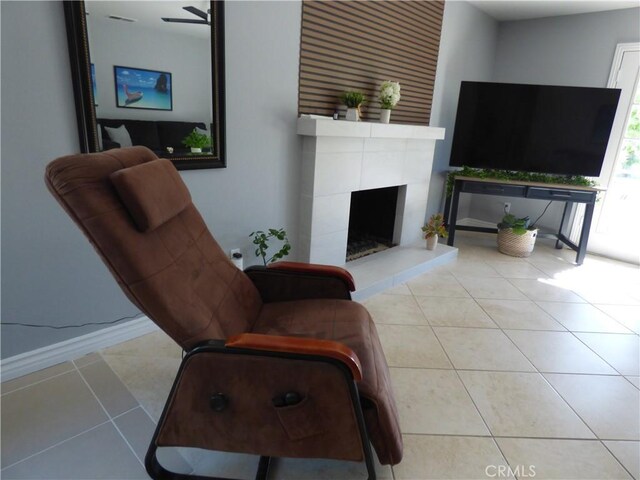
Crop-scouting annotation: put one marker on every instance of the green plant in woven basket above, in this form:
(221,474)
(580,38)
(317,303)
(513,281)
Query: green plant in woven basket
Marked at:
(519,226)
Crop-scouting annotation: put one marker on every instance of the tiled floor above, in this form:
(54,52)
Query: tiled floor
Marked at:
(499,364)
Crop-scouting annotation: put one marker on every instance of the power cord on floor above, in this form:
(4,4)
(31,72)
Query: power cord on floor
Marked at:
(543,212)
(61,327)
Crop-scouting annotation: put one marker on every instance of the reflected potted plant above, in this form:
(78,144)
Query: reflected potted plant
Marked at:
(433,229)
(197,141)
(261,240)
(353,101)
(516,236)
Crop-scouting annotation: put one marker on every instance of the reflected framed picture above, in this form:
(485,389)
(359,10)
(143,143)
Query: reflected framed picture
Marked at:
(143,89)
(94,87)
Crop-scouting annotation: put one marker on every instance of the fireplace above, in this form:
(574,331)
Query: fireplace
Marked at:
(372,222)
(342,158)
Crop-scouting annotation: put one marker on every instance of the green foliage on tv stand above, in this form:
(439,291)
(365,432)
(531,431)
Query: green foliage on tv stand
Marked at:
(519,176)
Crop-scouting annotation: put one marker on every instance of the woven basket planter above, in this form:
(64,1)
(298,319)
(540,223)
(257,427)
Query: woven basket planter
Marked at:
(515,245)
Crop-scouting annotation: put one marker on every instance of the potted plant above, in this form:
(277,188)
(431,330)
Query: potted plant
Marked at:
(389,98)
(353,100)
(197,141)
(516,236)
(433,229)
(261,241)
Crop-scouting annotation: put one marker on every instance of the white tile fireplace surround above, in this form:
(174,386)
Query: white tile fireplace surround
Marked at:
(340,157)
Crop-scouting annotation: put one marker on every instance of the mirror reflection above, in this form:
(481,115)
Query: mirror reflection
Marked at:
(151,69)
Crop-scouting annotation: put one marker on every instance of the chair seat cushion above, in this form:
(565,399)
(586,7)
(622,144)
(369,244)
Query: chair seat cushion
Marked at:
(349,323)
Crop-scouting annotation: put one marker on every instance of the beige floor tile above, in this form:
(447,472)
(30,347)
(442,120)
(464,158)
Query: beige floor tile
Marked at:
(540,291)
(87,360)
(522,404)
(137,428)
(155,344)
(517,270)
(401,289)
(609,405)
(35,377)
(582,317)
(395,309)
(607,295)
(553,268)
(561,459)
(628,453)
(628,315)
(320,469)
(480,287)
(472,269)
(412,346)
(519,314)
(434,401)
(100,453)
(440,457)
(454,312)
(221,464)
(481,349)
(634,380)
(622,352)
(106,385)
(148,379)
(558,352)
(46,413)
(437,285)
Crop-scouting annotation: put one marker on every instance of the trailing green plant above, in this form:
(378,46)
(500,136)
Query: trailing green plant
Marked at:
(435,226)
(353,99)
(519,226)
(197,140)
(261,240)
(521,176)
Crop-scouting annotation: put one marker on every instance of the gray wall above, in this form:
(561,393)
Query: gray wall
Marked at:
(467,51)
(574,50)
(50,274)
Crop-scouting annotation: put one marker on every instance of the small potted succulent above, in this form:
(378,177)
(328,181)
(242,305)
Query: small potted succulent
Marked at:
(433,229)
(516,236)
(389,98)
(197,141)
(353,101)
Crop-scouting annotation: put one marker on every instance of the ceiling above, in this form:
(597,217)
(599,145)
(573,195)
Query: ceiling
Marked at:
(505,10)
(148,14)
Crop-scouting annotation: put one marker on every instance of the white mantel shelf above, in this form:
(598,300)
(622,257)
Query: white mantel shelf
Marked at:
(321,127)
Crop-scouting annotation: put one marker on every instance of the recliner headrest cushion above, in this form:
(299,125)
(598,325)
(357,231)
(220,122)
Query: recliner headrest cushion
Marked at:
(152,193)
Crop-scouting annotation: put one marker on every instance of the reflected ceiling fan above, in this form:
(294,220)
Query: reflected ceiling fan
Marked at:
(204,17)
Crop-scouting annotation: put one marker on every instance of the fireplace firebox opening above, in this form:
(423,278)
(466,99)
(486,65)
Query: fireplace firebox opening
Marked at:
(372,221)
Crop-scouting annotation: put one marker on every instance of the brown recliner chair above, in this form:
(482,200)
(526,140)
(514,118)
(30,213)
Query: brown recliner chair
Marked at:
(280,362)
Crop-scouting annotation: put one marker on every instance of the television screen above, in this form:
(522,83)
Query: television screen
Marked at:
(533,128)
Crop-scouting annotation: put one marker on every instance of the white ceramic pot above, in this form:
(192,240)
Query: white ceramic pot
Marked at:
(385,115)
(196,150)
(432,242)
(352,115)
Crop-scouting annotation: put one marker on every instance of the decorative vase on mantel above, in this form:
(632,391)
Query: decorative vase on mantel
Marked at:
(432,242)
(353,114)
(385,115)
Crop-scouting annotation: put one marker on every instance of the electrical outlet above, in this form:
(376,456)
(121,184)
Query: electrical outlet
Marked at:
(232,251)
(507,207)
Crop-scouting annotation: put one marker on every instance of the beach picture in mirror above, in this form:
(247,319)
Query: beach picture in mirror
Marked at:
(142,88)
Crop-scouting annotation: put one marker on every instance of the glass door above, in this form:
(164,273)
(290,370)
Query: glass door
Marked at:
(615,230)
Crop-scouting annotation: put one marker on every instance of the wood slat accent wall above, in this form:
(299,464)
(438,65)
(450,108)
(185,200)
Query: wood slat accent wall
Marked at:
(356,45)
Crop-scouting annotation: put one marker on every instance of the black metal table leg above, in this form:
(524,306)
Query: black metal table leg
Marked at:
(563,223)
(584,234)
(453,217)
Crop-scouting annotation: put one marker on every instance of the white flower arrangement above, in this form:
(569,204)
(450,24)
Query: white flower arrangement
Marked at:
(389,94)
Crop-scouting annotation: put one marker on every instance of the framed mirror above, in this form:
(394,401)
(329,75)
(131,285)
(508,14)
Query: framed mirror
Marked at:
(150,73)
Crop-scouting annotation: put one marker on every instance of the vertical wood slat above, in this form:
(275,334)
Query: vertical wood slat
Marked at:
(391,40)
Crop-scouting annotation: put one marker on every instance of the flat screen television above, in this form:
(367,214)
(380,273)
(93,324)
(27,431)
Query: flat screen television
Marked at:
(533,128)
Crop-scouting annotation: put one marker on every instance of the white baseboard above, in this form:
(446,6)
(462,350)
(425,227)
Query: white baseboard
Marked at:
(73,348)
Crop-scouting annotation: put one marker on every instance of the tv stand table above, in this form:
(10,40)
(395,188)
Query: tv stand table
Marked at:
(570,194)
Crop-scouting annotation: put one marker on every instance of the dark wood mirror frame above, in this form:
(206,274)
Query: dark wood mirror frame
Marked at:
(77,37)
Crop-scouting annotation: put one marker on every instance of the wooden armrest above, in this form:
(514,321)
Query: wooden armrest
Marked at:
(322,270)
(305,346)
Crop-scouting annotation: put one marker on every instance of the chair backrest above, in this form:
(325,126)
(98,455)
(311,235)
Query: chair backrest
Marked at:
(137,212)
